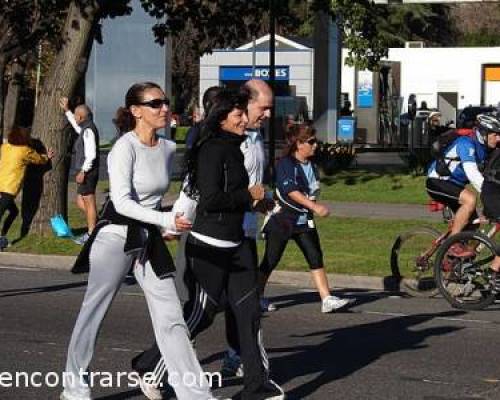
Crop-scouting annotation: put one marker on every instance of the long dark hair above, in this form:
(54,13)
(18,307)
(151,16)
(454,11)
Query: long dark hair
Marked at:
(222,104)
(124,120)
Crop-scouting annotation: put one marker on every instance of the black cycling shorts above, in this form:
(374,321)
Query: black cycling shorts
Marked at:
(307,240)
(90,183)
(490,196)
(445,192)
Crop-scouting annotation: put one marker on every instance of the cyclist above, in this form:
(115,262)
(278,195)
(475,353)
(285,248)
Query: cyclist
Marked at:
(461,164)
(490,194)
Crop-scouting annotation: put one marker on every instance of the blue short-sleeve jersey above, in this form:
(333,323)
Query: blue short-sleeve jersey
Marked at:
(463,149)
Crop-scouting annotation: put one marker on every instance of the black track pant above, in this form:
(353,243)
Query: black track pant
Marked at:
(7,203)
(211,272)
(231,324)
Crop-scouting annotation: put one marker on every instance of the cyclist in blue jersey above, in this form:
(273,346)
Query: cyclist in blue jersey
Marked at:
(464,159)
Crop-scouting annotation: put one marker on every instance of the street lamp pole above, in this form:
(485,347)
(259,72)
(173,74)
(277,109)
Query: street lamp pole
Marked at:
(272,81)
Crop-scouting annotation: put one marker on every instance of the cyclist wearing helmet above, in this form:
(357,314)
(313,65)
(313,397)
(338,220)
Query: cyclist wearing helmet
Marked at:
(490,194)
(464,158)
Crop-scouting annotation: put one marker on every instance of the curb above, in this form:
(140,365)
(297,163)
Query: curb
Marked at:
(61,263)
(292,278)
(304,280)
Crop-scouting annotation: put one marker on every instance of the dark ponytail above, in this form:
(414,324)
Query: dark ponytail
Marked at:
(124,120)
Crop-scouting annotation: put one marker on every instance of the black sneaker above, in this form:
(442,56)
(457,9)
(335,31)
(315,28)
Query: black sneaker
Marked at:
(268,391)
(4,243)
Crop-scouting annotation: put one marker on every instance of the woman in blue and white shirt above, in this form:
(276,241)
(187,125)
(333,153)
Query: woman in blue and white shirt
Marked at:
(297,187)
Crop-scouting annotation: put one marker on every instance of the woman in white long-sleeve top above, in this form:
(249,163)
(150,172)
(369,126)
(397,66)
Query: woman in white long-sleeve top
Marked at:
(130,232)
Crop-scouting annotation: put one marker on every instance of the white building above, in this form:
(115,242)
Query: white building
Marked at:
(448,79)
(294,70)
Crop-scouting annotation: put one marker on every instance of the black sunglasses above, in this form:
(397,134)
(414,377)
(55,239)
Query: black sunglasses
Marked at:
(156,103)
(312,141)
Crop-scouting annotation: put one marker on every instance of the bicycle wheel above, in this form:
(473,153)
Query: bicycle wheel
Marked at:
(465,282)
(412,261)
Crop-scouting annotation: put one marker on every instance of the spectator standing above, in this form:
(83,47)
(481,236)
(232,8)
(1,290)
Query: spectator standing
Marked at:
(86,153)
(15,156)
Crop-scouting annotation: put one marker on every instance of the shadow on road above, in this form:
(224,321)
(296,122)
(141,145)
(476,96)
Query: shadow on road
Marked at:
(348,350)
(42,289)
(122,396)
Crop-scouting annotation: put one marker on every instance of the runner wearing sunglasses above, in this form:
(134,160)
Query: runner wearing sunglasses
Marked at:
(297,187)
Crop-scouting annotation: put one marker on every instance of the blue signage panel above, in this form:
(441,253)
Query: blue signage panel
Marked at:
(231,73)
(365,89)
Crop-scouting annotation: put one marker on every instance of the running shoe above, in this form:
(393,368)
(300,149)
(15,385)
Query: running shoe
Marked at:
(4,243)
(82,239)
(266,305)
(149,389)
(66,396)
(333,303)
(268,391)
(231,365)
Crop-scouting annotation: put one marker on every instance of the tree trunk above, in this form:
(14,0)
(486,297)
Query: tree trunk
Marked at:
(3,65)
(13,92)
(69,65)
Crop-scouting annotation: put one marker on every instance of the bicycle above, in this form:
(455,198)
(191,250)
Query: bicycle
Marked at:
(466,282)
(412,256)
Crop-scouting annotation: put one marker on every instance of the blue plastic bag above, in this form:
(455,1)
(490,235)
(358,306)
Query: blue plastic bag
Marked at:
(60,227)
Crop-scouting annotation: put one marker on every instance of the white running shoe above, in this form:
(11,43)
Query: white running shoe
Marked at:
(82,239)
(66,396)
(333,303)
(150,390)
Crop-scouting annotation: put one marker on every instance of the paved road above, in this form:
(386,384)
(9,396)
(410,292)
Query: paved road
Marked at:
(384,348)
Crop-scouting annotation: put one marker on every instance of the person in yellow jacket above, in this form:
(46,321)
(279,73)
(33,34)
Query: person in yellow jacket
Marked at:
(15,155)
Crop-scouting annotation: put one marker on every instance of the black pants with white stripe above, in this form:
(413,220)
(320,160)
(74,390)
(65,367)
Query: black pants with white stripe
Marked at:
(211,272)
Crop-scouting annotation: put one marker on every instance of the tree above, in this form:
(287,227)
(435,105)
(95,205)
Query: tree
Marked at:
(23,24)
(476,25)
(80,28)
(16,82)
(416,22)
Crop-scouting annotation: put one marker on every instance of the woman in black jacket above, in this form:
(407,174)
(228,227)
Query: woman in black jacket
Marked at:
(219,260)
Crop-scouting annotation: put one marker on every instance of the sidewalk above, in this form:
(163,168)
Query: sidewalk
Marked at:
(293,278)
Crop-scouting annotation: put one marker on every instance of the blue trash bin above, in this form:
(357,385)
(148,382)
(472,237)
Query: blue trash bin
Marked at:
(346,129)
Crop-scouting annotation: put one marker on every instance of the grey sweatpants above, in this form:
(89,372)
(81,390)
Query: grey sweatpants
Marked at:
(108,267)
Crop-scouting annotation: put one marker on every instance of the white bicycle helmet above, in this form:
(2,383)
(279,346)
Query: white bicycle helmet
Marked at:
(488,123)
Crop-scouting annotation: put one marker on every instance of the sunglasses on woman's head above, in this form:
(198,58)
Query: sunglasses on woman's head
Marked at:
(156,103)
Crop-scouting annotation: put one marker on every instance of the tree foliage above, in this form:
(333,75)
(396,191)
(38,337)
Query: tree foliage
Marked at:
(428,23)
(24,23)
